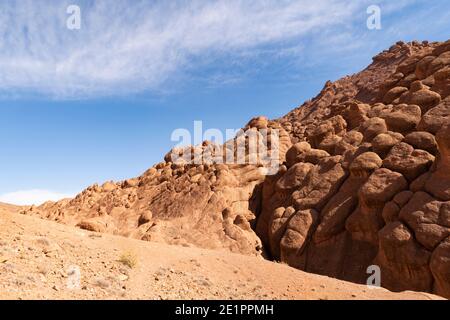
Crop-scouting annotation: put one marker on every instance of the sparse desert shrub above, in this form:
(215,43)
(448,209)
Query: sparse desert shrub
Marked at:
(128,259)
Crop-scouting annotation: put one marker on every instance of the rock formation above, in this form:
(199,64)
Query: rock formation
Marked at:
(364,180)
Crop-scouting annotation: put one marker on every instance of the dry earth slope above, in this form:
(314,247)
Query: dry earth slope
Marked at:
(44,260)
(365,180)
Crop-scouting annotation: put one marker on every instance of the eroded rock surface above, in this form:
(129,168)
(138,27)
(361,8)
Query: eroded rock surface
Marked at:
(390,204)
(364,179)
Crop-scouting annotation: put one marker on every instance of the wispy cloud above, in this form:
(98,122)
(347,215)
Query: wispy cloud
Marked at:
(32,197)
(130,46)
(133,46)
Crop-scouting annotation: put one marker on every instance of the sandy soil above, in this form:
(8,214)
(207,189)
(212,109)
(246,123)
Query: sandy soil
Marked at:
(44,260)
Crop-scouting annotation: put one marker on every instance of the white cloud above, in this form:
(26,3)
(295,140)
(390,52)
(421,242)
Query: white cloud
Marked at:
(131,46)
(30,197)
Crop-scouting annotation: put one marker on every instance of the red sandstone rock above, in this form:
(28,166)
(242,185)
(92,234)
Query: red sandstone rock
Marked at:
(364,179)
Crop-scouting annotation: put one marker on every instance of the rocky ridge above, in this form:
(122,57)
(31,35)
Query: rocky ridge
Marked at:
(365,181)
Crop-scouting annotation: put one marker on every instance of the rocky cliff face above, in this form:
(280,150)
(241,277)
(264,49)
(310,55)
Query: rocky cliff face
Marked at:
(365,181)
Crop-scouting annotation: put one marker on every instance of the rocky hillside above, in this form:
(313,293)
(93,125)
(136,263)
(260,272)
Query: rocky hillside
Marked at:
(365,181)
(9,207)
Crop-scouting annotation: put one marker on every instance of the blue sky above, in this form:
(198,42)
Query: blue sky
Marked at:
(100,103)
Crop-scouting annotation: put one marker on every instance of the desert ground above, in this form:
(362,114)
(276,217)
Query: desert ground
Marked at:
(37,259)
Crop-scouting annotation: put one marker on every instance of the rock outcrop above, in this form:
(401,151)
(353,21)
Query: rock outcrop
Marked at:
(210,204)
(364,179)
(387,201)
